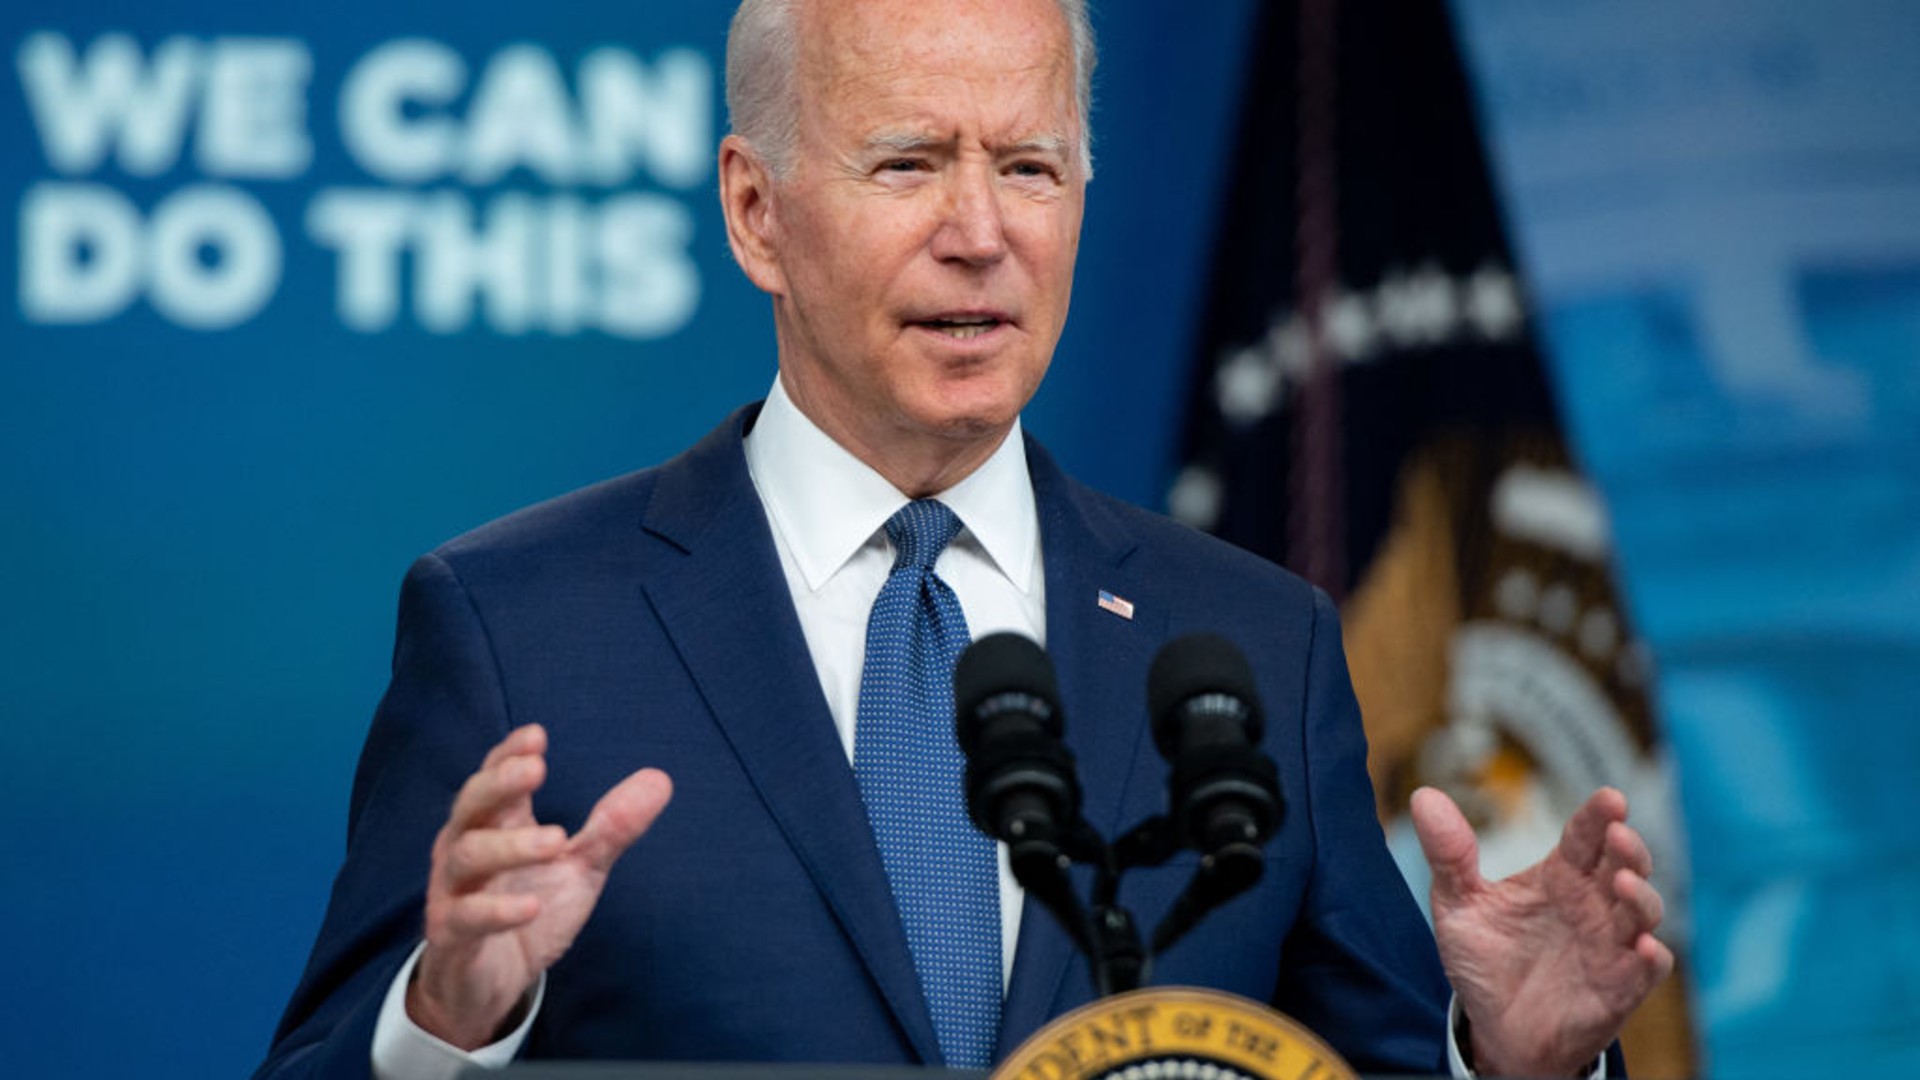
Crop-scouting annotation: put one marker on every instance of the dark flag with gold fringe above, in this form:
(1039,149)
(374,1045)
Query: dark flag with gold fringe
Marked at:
(1370,409)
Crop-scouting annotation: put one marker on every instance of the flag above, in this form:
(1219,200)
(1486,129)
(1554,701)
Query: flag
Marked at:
(1370,408)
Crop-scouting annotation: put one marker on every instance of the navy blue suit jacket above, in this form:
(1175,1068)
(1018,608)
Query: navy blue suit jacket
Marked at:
(646,621)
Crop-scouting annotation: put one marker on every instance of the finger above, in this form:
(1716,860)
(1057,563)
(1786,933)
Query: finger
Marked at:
(1652,962)
(621,816)
(1584,838)
(1447,841)
(1657,956)
(1630,985)
(1640,907)
(525,739)
(480,914)
(1627,848)
(496,789)
(477,856)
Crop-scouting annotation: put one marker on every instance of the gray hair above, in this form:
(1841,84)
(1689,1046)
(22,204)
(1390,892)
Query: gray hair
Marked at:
(763,57)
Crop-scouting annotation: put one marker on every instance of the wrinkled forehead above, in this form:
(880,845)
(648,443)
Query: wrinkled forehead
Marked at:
(864,52)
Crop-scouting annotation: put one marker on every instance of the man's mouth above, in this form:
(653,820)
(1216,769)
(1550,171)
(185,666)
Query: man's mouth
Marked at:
(962,327)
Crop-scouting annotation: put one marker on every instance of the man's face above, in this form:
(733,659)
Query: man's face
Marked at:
(926,235)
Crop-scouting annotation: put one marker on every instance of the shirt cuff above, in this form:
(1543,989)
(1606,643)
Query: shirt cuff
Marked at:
(1457,1032)
(403,1050)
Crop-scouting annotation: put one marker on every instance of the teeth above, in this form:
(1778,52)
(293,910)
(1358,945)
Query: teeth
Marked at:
(961,330)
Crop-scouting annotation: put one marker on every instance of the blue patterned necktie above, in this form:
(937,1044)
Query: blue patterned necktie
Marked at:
(944,872)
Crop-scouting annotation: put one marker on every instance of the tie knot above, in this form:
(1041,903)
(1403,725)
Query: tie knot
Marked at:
(920,531)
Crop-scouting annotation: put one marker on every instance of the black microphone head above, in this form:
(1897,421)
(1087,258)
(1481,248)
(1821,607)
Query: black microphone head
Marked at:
(1224,791)
(1194,666)
(999,674)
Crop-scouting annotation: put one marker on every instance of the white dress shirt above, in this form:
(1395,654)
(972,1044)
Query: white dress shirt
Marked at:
(828,510)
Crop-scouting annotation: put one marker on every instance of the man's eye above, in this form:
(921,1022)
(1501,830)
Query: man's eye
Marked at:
(1032,169)
(902,165)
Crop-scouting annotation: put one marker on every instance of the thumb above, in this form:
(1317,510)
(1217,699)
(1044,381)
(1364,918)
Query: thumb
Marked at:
(621,816)
(1447,841)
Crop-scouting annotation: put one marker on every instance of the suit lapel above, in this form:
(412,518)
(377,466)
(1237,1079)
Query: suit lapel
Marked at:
(725,603)
(1101,659)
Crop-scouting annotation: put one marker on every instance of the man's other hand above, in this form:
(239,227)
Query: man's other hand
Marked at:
(1547,963)
(507,895)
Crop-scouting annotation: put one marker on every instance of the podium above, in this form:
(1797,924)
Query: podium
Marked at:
(1164,1033)
(707,1071)
(711,1071)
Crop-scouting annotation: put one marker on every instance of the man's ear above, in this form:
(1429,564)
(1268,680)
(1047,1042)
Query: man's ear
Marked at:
(746,198)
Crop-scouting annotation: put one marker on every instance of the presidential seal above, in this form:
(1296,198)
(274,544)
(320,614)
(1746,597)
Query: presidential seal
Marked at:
(1178,1033)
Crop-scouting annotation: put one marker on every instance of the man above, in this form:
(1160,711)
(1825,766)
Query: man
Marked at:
(905,180)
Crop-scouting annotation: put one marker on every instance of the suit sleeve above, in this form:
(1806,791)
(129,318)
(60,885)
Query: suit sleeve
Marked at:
(443,710)
(1360,964)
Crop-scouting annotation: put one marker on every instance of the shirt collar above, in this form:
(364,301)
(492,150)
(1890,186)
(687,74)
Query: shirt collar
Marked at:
(826,503)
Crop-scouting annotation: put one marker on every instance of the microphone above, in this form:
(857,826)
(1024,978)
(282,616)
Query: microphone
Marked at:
(1021,782)
(1224,792)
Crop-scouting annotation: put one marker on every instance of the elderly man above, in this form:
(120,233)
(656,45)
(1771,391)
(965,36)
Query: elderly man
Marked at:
(771,619)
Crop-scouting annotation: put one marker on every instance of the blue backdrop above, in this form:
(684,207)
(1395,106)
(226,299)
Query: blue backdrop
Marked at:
(1719,206)
(287,297)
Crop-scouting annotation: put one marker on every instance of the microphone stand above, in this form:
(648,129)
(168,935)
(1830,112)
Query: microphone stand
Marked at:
(1104,931)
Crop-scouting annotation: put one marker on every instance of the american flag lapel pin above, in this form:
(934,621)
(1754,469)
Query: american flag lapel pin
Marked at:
(1117,605)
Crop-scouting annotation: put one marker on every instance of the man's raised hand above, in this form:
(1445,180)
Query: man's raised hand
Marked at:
(1547,963)
(507,895)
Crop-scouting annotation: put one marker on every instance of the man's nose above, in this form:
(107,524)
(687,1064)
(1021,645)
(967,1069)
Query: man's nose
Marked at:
(973,230)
